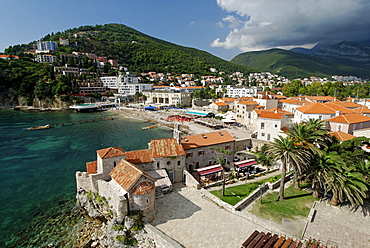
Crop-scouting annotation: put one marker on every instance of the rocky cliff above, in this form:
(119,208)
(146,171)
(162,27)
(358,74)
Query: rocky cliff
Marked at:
(102,229)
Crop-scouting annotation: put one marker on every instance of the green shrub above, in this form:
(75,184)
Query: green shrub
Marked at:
(118,227)
(121,238)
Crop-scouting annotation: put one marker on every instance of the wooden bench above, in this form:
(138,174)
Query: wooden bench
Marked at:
(251,237)
(262,242)
(287,243)
(272,241)
(256,240)
(279,242)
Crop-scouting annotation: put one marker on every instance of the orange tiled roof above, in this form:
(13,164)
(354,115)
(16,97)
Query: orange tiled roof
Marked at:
(110,152)
(140,156)
(207,139)
(221,104)
(320,98)
(143,188)
(323,108)
(346,104)
(225,99)
(294,101)
(127,174)
(8,56)
(92,167)
(245,98)
(350,118)
(362,110)
(280,96)
(248,103)
(274,113)
(342,136)
(166,148)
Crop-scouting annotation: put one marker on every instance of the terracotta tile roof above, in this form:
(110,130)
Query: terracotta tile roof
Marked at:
(294,101)
(166,148)
(274,113)
(225,99)
(110,152)
(342,136)
(323,108)
(92,167)
(320,98)
(362,110)
(245,98)
(127,174)
(140,156)
(248,103)
(280,96)
(221,104)
(350,118)
(207,139)
(346,104)
(143,188)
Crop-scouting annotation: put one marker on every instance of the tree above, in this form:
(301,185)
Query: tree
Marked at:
(285,150)
(310,136)
(220,155)
(321,168)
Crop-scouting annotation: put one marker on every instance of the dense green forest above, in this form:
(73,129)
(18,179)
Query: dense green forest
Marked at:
(137,51)
(296,65)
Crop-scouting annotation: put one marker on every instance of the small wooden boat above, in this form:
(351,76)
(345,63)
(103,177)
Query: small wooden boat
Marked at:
(144,128)
(39,127)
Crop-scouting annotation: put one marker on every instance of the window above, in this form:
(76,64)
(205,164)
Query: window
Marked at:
(276,125)
(157,165)
(114,164)
(200,153)
(227,147)
(262,125)
(263,134)
(189,155)
(178,162)
(268,136)
(320,117)
(197,165)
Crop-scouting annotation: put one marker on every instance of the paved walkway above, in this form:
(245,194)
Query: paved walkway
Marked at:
(341,226)
(194,221)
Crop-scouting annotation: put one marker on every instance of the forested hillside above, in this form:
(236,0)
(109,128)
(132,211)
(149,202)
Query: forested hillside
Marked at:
(137,51)
(294,65)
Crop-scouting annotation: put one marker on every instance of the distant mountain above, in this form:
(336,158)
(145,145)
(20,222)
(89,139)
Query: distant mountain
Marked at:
(345,52)
(293,65)
(137,51)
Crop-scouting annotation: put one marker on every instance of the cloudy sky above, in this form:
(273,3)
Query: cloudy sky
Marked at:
(224,28)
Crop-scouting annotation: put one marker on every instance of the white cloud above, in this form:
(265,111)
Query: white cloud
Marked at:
(286,23)
(192,23)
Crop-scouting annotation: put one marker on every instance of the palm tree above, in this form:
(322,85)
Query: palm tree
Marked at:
(347,184)
(321,169)
(312,137)
(286,150)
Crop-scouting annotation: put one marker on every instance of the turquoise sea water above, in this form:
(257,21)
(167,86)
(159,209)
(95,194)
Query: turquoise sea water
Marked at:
(37,168)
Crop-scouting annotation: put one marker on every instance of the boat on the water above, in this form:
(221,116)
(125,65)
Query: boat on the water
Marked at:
(91,107)
(144,128)
(39,127)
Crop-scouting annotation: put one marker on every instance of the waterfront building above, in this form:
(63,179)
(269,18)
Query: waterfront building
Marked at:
(168,98)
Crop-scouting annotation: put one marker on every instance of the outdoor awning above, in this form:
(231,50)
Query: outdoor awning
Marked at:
(245,163)
(209,170)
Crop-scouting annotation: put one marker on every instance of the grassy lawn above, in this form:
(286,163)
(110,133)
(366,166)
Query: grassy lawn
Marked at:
(297,203)
(235,194)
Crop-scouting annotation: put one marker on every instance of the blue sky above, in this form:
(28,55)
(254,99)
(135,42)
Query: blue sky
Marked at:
(224,28)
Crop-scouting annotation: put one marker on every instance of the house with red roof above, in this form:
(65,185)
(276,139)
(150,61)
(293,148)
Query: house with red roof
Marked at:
(198,148)
(320,111)
(270,123)
(348,123)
